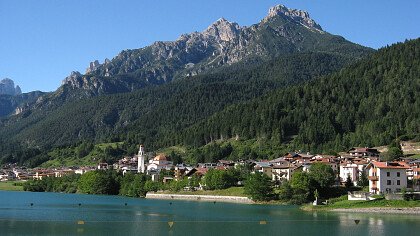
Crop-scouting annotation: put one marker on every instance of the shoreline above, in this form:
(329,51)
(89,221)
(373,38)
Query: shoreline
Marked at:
(387,210)
(205,198)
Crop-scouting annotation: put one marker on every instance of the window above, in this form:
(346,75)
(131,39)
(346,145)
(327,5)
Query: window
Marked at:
(398,182)
(388,174)
(398,174)
(388,182)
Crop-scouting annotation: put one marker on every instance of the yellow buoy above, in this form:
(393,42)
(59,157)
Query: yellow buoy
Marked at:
(170,223)
(80,222)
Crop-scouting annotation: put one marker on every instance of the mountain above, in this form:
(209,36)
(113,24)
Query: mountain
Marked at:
(283,31)
(12,101)
(156,94)
(14,105)
(7,87)
(369,103)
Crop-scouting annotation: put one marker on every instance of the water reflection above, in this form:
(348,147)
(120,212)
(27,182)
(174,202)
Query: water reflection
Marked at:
(54,214)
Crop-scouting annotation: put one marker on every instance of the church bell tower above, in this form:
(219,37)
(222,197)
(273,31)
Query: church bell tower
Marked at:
(140,160)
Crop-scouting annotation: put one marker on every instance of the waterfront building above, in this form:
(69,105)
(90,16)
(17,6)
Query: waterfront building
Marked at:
(387,177)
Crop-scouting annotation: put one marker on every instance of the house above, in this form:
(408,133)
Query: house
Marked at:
(387,177)
(181,170)
(207,165)
(158,163)
(103,166)
(128,169)
(349,169)
(226,163)
(83,170)
(283,172)
(353,169)
(330,160)
(280,161)
(371,153)
(264,167)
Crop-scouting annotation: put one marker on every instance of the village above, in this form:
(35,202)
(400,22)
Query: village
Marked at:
(354,166)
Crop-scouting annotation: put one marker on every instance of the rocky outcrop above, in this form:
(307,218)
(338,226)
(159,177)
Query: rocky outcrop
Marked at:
(7,86)
(93,66)
(299,16)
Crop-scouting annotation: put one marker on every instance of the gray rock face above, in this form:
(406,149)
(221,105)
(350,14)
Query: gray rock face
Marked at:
(223,30)
(281,32)
(93,66)
(223,42)
(7,86)
(297,15)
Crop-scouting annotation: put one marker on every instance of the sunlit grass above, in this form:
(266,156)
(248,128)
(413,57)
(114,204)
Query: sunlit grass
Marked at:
(11,186)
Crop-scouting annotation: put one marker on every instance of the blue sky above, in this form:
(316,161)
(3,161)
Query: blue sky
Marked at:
(41,42)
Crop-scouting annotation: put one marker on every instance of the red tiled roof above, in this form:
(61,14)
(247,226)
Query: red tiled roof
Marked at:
(390,165)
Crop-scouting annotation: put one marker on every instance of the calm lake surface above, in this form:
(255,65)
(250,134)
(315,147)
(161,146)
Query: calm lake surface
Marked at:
(61,214)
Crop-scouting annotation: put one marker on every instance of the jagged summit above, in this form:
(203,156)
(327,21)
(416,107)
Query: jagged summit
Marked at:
(223,29)
(297,15)
(7,86)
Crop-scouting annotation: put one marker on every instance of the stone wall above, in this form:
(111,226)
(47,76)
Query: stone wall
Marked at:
(211,198)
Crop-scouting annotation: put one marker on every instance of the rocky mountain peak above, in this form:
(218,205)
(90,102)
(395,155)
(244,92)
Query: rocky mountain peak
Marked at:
(223,29)
(299,16)
(93,66)
(74,76)
(7,86)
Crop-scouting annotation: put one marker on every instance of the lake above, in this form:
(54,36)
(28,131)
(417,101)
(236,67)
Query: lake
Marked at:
(77,214)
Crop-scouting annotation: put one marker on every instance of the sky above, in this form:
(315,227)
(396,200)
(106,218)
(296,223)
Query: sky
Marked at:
(42,42)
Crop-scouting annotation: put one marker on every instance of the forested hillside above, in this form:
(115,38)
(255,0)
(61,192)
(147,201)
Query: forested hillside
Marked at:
(368,103)
(155,114)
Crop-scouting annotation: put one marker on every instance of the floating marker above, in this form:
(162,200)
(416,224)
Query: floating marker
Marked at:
(170,203)
(80,204)
(214,202)
(32,204)
(356,221)
(80,222)
(263,222)
(125,204)
(170,223)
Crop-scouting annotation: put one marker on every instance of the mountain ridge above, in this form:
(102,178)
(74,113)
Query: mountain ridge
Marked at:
(221,43)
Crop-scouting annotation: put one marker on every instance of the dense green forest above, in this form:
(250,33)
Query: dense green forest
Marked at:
(368,103)
(154,114)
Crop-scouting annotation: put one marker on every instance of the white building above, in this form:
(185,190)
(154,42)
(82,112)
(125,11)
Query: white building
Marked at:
(353,169)
(387,177)
(158,163)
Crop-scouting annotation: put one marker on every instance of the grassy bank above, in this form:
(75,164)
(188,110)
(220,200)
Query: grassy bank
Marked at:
(343,203)
(11,186)
(233,191)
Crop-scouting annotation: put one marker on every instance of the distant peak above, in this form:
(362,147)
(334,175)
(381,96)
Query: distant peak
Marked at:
(222,19)
(299,16)
(223,22)
(7,86)
(223,29)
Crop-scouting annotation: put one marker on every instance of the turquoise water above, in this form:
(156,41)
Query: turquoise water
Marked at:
(59,214)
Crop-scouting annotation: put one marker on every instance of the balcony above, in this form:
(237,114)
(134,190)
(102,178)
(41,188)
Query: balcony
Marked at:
(373,178)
